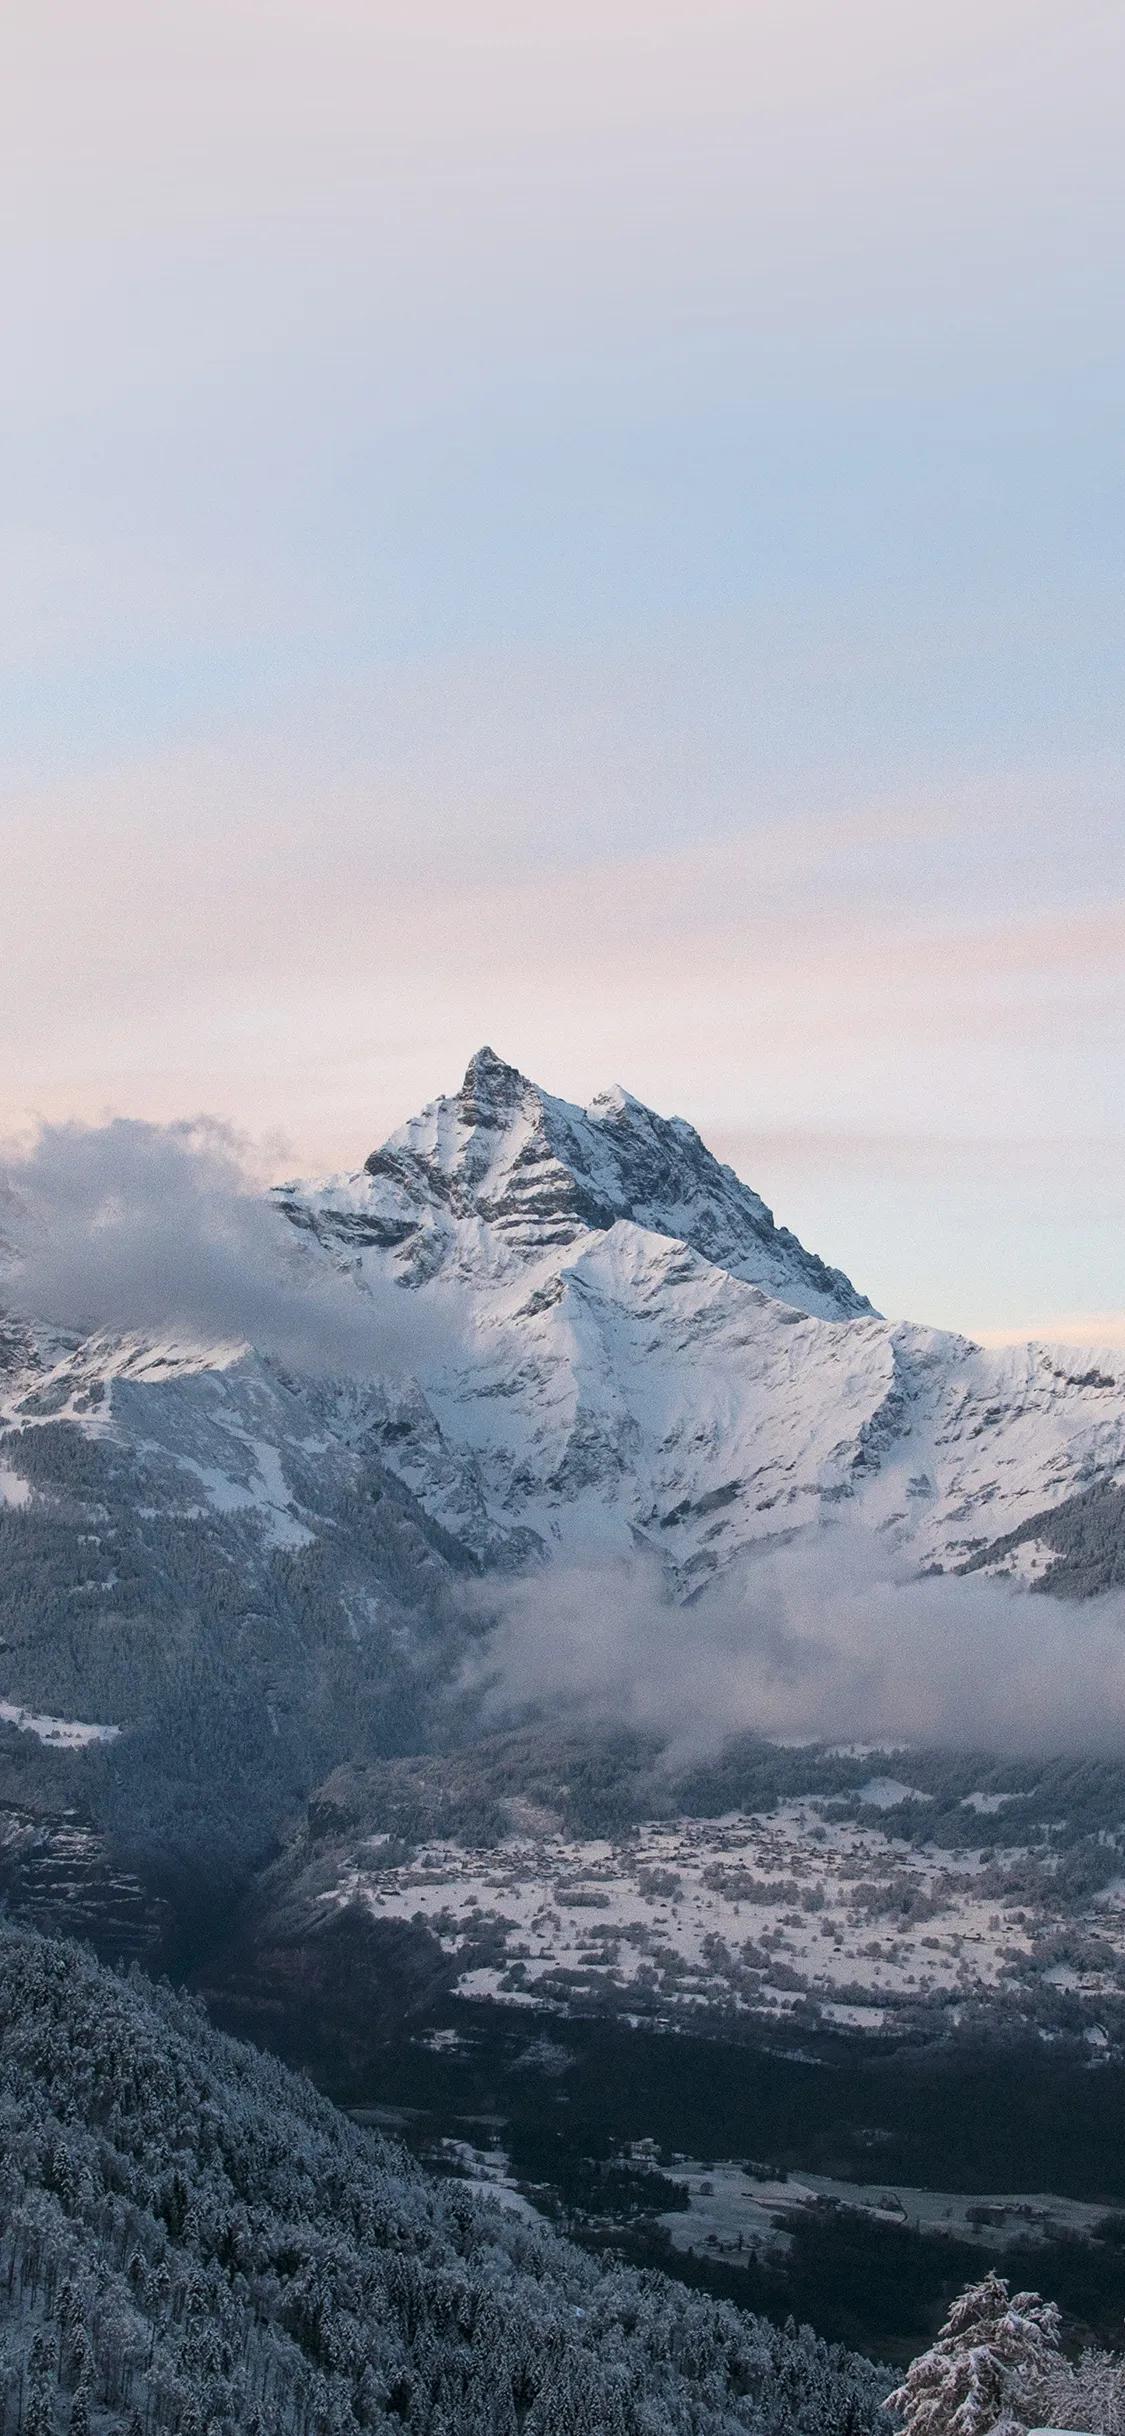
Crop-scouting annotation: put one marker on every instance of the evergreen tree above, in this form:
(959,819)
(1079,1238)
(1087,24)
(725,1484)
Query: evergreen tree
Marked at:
(991,2351)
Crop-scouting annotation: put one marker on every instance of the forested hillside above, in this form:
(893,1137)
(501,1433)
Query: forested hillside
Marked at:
(222,1674)
(191,2240)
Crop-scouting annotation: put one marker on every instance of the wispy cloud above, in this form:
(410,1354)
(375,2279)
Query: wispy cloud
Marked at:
(167,1231)
(825,1642)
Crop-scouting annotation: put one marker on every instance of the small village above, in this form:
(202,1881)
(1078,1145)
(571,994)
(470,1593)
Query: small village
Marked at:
(797,1916)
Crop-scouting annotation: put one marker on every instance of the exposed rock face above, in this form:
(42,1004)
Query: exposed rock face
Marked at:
(57,1875)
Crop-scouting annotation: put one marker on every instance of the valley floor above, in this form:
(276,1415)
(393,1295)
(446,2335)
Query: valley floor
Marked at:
(795,1915)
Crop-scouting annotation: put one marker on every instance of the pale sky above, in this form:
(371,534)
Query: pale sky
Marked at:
(597,529)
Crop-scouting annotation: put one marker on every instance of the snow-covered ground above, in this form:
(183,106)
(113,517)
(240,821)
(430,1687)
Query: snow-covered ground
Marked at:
(732,2208)
(794,1913)
(69,1733)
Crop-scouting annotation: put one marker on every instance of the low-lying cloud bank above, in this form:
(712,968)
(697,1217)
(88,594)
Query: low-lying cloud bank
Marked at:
(827,1641)
(154,1230)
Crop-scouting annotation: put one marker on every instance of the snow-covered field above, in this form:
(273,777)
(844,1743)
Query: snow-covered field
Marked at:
(69,1733)
(732,2208)
(797,1913)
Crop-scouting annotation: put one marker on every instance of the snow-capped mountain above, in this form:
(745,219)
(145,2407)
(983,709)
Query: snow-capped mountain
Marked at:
(649,1359)
(256,1571)
(616,1347)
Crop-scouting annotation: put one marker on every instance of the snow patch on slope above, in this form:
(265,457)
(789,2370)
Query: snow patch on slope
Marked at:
(67,1733)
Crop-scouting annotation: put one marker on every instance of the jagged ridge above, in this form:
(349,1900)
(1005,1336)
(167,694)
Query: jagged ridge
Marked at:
(539,1174)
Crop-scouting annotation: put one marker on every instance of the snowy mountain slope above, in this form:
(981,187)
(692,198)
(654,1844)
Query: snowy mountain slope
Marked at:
(640,1358)
(257,1574)
(208,1557)
(650,1360)
(651,1398)
(993,1439)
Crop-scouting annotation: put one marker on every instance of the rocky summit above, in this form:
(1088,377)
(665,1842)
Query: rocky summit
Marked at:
(502,1173)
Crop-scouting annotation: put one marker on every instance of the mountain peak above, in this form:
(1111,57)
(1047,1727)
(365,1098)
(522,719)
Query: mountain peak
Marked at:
(491,1087)
(615,1102)
(501,1173)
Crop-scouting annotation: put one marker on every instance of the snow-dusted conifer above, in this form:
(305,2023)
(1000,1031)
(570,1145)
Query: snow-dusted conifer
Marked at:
(992,2350)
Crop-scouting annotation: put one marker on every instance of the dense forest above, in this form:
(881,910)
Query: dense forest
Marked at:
(192,2240)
